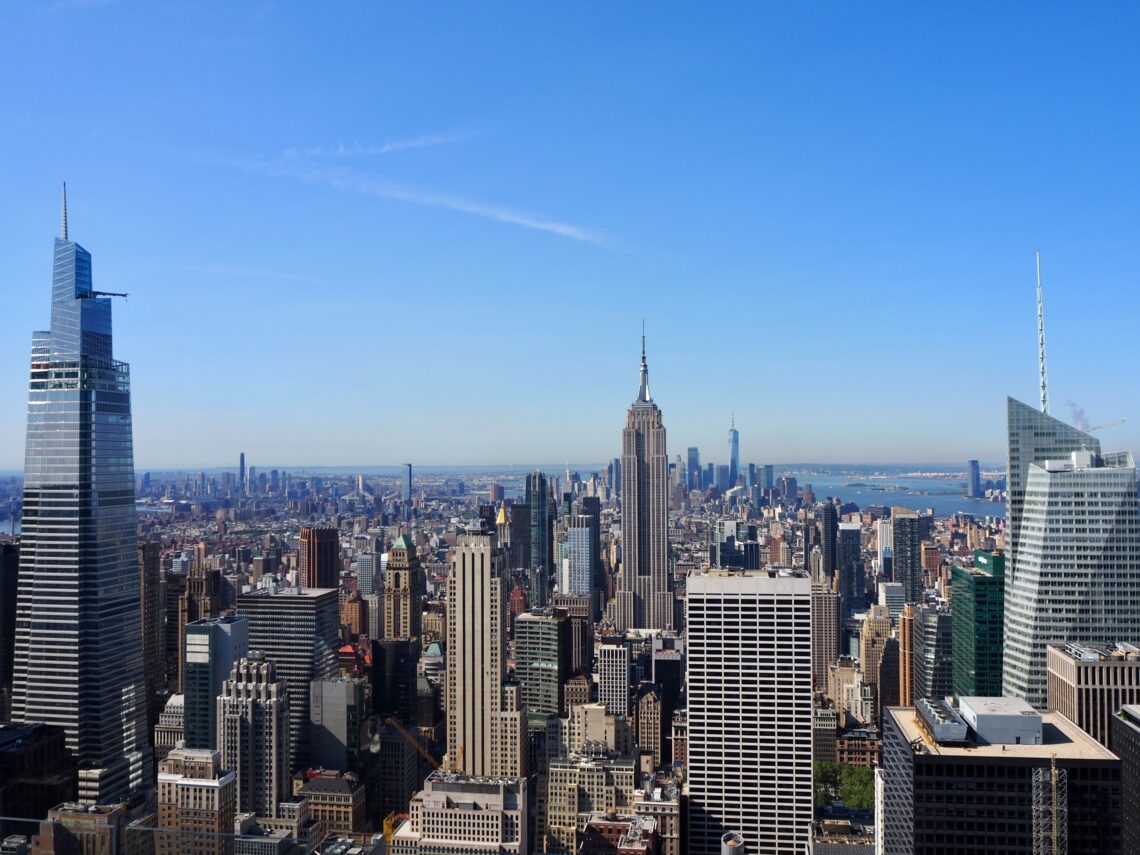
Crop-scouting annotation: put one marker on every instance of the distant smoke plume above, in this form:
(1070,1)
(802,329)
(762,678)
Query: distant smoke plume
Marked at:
(1080,420)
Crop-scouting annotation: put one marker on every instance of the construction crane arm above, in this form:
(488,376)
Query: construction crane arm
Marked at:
(413,741)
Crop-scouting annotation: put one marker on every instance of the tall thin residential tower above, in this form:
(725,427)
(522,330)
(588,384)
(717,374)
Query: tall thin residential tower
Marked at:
(541,551)
(645,597)
(733,453)
(78,631)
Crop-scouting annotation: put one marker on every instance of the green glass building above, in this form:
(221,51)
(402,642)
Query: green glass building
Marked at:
(542,659)
(977,597)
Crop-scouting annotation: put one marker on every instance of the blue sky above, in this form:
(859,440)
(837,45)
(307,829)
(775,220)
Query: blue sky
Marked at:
(366,233)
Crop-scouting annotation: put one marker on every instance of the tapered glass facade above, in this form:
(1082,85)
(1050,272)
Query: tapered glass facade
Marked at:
(78,632)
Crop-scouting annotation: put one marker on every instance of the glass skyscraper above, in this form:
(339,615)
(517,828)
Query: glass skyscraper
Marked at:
(978,606)
(541,551)
(1074,521)
(577,569)
(78,629)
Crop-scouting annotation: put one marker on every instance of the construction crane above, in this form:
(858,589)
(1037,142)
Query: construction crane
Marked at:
(86,295)
(1107,425)
(413,741)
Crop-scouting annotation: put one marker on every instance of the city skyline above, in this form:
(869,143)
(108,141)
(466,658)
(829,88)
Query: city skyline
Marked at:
(258,249)
(842,230)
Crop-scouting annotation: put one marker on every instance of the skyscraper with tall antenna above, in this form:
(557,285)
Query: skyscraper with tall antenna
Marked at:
(645,595)
(733,453)
(78,632)
(1073,538)
(1073,572)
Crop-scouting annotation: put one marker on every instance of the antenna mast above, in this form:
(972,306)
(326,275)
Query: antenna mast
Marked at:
(63,213)
(1041,340)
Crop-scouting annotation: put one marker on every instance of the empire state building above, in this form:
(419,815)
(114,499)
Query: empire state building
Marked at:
(645,596)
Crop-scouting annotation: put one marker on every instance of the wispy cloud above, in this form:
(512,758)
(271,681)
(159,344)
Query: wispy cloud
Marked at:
(372,150)
(383,189)
(252,273)
(322,165)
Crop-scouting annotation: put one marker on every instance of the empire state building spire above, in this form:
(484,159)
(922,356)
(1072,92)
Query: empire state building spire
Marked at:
(643,396)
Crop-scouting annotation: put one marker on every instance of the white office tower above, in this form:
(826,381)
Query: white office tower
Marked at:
(892,595)
(750,709)
(613,677)
(1078,564)
(882,543)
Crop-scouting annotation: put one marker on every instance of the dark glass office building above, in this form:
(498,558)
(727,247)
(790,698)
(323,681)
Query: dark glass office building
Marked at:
(977,596)
(541,552)
(78,660)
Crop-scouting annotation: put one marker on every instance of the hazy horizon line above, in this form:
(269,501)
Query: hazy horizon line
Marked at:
(929,465)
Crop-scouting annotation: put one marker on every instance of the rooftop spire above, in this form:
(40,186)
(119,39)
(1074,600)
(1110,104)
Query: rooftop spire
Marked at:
(63,214)
(1041,341)
(643,395)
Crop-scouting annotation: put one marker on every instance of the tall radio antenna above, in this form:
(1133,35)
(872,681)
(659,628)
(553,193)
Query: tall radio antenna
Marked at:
(1041,340)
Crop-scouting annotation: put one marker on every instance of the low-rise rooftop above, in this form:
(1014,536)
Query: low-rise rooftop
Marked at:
(1060,738)
(1091,653)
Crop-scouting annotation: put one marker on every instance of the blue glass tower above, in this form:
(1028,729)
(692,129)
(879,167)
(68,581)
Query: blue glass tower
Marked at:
(78,621)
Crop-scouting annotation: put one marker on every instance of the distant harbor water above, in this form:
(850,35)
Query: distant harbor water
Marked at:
(944,496)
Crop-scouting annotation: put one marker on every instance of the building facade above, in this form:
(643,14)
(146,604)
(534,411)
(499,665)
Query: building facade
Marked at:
(197,801)
(906,552)
(873,636)
(576,575)
(932,656)
(404,589)
(749,683)
(950,785)
(541,542)
(460,814)
(1077,576)
(977,596)
(849,565)
(253,735)
(645,597)
(1089,683)
(338,718)
(476,649)
(825,605)
(212,646)
(1125,744)
(542,659)
(318,559)
(297,629)
(78,641)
